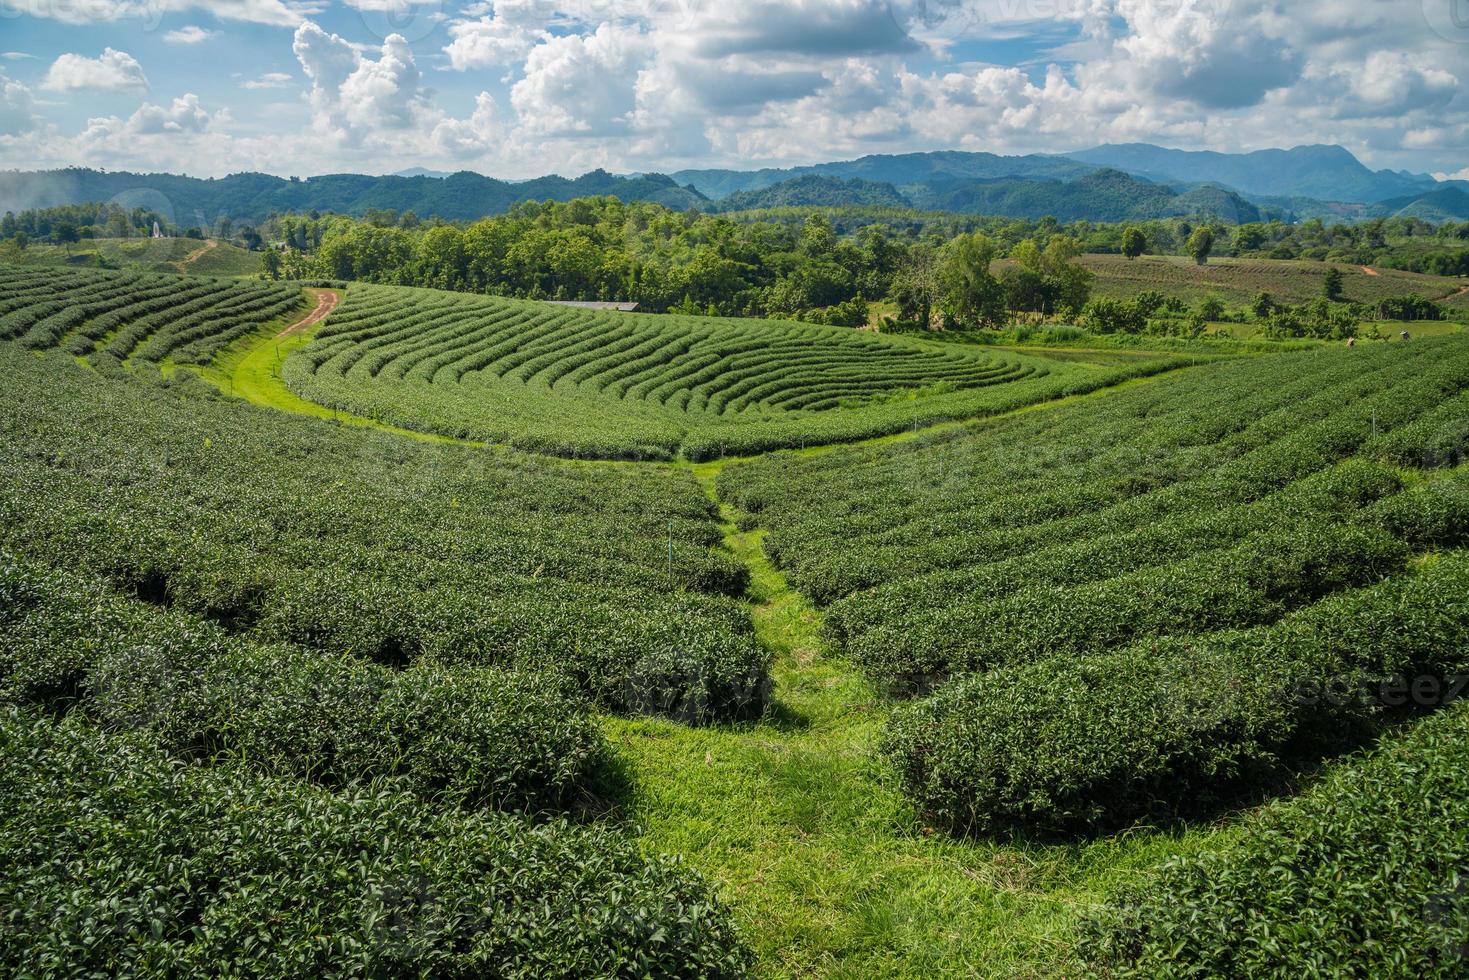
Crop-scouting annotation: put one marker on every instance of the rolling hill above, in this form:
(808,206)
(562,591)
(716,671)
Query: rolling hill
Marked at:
(1104,195)
(1327,173)
(254,196)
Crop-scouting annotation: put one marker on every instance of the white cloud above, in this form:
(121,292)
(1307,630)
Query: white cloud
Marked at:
(361,101)
(112,71)
(281,13)
(17,107)
(273,79)
(481,133)
(17,56)
(191,34)
(184,116)
(582,84)
(385,93)
(490,42)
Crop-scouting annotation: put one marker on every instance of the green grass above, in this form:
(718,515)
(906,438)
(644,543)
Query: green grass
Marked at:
(250,370)
(184,255)
(827,868)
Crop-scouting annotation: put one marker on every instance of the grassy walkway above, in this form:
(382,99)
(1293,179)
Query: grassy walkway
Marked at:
(827,868)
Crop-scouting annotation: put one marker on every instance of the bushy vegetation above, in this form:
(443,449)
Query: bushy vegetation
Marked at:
(1362,876)
(1103,738)
(575,382)
(120,860)
(345,541)
(1102,605)
(124,316)
(479,738)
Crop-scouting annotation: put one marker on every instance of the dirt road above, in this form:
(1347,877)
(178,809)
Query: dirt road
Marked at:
(326,301)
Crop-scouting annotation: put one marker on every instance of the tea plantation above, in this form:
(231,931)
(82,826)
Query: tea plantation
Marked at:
(571,382)
(586,644)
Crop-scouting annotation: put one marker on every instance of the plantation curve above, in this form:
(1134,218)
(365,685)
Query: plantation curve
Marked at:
(594,384)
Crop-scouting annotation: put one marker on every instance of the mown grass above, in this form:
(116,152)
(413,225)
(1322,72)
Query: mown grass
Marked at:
(829,870)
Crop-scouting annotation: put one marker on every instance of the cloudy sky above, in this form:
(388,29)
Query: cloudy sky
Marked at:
(518,88)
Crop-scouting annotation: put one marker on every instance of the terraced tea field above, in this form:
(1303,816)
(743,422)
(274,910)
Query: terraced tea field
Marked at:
(579,383)
(1131,667)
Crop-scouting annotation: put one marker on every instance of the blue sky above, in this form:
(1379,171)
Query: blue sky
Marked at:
(517,88)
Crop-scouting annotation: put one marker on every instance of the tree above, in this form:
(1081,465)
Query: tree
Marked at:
(1200,244)
(271,264)
(1263,306)
(67,234)
(915,287)
(1134,242)
(1212,308)
(1331,284)
(969,295)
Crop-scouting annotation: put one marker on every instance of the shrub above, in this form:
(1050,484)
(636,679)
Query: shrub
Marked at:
(115,860)
(1084,742)
(1362,876)
(471,737)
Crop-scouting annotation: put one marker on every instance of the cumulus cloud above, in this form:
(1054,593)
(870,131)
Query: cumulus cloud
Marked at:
(490,42)
(582,84)
(191,34)
(481,133)
(185,115)
(824,28)
(1390,83)
(112,71)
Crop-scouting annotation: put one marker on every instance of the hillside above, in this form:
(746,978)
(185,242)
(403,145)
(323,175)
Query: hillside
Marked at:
(191,201)
(1238,281)
(1328,173)
(1106,195)
(897,169)
(812,190)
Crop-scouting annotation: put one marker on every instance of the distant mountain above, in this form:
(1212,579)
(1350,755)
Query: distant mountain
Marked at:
(896,169)
(253,196)
(1448,204)
(1325,173)
(812,190)
(422,172)
(1103,195)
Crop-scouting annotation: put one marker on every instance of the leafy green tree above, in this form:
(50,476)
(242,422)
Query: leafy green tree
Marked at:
(970,296)
(1331,284)
(1134,242)
(1200,244)
(1262,306)
(1212,308)
(916,287)
(270,264)
(67,234)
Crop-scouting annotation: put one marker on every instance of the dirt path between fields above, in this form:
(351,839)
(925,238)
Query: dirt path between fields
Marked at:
(197,254)
(1370,271)
(326,301)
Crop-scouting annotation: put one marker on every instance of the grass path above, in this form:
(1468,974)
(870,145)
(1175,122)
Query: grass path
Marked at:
(828,870)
